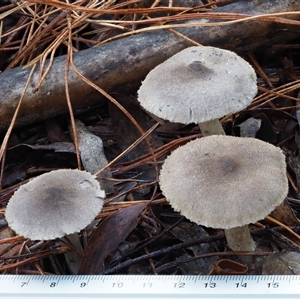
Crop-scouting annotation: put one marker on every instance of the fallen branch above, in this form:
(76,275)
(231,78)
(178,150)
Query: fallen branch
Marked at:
(120,65)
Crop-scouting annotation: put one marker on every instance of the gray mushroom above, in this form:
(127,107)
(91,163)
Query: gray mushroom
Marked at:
(55,204)
(199,85)
(225,182)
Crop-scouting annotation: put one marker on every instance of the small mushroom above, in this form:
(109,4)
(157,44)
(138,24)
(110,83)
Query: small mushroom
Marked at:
(199,85)
(225,182)
(55,204)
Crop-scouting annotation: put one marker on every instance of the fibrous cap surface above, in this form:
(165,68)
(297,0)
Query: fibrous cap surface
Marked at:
(55,204)
(225,181)
(198,84)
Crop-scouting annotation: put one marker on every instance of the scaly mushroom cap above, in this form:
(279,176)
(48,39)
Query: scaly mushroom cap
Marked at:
(55,204)
(224,181)
(197,85)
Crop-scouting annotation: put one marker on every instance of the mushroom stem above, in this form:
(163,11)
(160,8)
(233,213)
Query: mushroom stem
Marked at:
(212,127)
(239,239)
(73,257)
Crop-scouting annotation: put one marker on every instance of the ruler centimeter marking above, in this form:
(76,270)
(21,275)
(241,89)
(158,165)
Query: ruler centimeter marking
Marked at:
(149,287)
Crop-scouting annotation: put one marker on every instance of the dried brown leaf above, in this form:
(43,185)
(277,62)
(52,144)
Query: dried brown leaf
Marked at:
(92,154)
(127,133)
(228,267)
(282,263)
(107,237)
(284,214)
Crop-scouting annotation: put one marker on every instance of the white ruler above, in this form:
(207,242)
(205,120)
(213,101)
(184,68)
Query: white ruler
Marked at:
(149,287)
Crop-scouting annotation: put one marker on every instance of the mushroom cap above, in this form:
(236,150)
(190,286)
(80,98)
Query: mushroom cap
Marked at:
(197,85)
(224,181)
(55,204)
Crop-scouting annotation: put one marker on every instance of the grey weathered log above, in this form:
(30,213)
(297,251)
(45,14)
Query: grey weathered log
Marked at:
(120,65)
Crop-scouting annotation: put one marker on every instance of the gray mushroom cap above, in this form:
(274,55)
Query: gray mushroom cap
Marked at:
(224,181)
(197,85)
(55,204)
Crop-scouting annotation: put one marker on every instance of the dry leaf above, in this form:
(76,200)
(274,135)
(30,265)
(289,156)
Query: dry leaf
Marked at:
(185,232)
(107,237)
(284,214)
(249,127)
(228,267)
(282,263)
(92,154)
(127,134)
